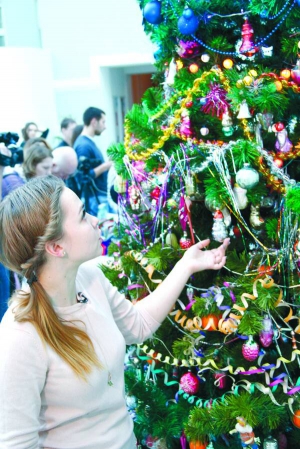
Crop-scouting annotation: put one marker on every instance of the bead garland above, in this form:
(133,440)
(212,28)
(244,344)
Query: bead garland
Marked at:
(258,44)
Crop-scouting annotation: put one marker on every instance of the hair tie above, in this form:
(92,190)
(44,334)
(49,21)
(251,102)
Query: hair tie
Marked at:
(32,279)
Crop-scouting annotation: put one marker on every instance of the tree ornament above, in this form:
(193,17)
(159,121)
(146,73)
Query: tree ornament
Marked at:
(185,242)
(188,22)
(278,162)
(155,194)
(228,63)
(267,202)
(193,68)
(205,58)
(248,47)
(240,196)
(247,177)
(270,443)
(170,73)
(227,127)
(266,335)
(267,52)
(296,419)
(171,240)
(210,322)
(250,349)
(120,184)
(134,197)
(244,112)
(188,49)
(219,231)
(198,445)
(221,380)
(255,220)
(226,217)
(245,432)
(189,383)
(204,131)
(295,73)
(265,119)
(283,143)
(152,12)
(216,101)
(185,127)
(190,185)
(247,80)
(282,441)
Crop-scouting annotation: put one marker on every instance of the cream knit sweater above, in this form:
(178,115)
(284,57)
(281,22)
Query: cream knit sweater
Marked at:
(43,404)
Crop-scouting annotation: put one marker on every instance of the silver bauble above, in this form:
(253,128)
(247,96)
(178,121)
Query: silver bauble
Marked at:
(247,177)
(270,443)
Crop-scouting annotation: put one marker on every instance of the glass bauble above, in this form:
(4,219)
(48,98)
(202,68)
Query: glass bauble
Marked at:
(247,177)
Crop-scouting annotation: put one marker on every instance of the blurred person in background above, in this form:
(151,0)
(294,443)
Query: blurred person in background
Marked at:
(94,120)
(67,126)
(31,131)
(38,160)
(76,132)
(65,162)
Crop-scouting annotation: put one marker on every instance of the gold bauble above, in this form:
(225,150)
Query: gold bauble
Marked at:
(248,80)
(253,73)
(239,84)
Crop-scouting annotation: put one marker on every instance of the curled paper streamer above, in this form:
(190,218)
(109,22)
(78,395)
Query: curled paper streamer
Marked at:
(144,262)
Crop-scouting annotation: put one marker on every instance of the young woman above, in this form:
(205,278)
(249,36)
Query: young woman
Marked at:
(62,341)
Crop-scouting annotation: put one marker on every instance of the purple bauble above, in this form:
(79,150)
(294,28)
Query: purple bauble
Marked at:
(152,12)
(266,335)
(250,350)
(188,23)
(189,383)
(282,441)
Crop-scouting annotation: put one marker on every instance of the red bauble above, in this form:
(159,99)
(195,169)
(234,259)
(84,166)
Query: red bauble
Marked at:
(189,104)
(189,383)
(236,231)
(155,194)
(185,242)
(279,126)
(278,162)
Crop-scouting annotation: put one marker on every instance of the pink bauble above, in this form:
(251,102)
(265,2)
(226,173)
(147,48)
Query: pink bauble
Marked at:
(266,338)
(250,350)
(189,383)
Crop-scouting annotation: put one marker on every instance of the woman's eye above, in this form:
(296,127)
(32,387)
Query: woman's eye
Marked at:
(83,213)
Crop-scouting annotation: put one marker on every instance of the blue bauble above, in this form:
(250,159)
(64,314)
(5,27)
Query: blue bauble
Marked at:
(264,14)
(152,12)
(188,22)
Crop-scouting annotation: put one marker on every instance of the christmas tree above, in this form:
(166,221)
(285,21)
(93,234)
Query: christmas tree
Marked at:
(212,151)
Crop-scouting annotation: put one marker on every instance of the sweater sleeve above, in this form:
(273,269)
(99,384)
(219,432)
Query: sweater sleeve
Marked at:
(22,377)
(135,323)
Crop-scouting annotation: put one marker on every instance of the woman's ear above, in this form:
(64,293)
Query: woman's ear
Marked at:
(54,249)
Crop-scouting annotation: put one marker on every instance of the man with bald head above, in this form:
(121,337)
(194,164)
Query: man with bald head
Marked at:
(64,162)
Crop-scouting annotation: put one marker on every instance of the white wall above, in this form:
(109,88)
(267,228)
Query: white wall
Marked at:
(20,23)
(92,43)
(26,89)
(89,49)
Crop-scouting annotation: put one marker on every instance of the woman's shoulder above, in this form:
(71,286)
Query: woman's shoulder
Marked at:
(23,329)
